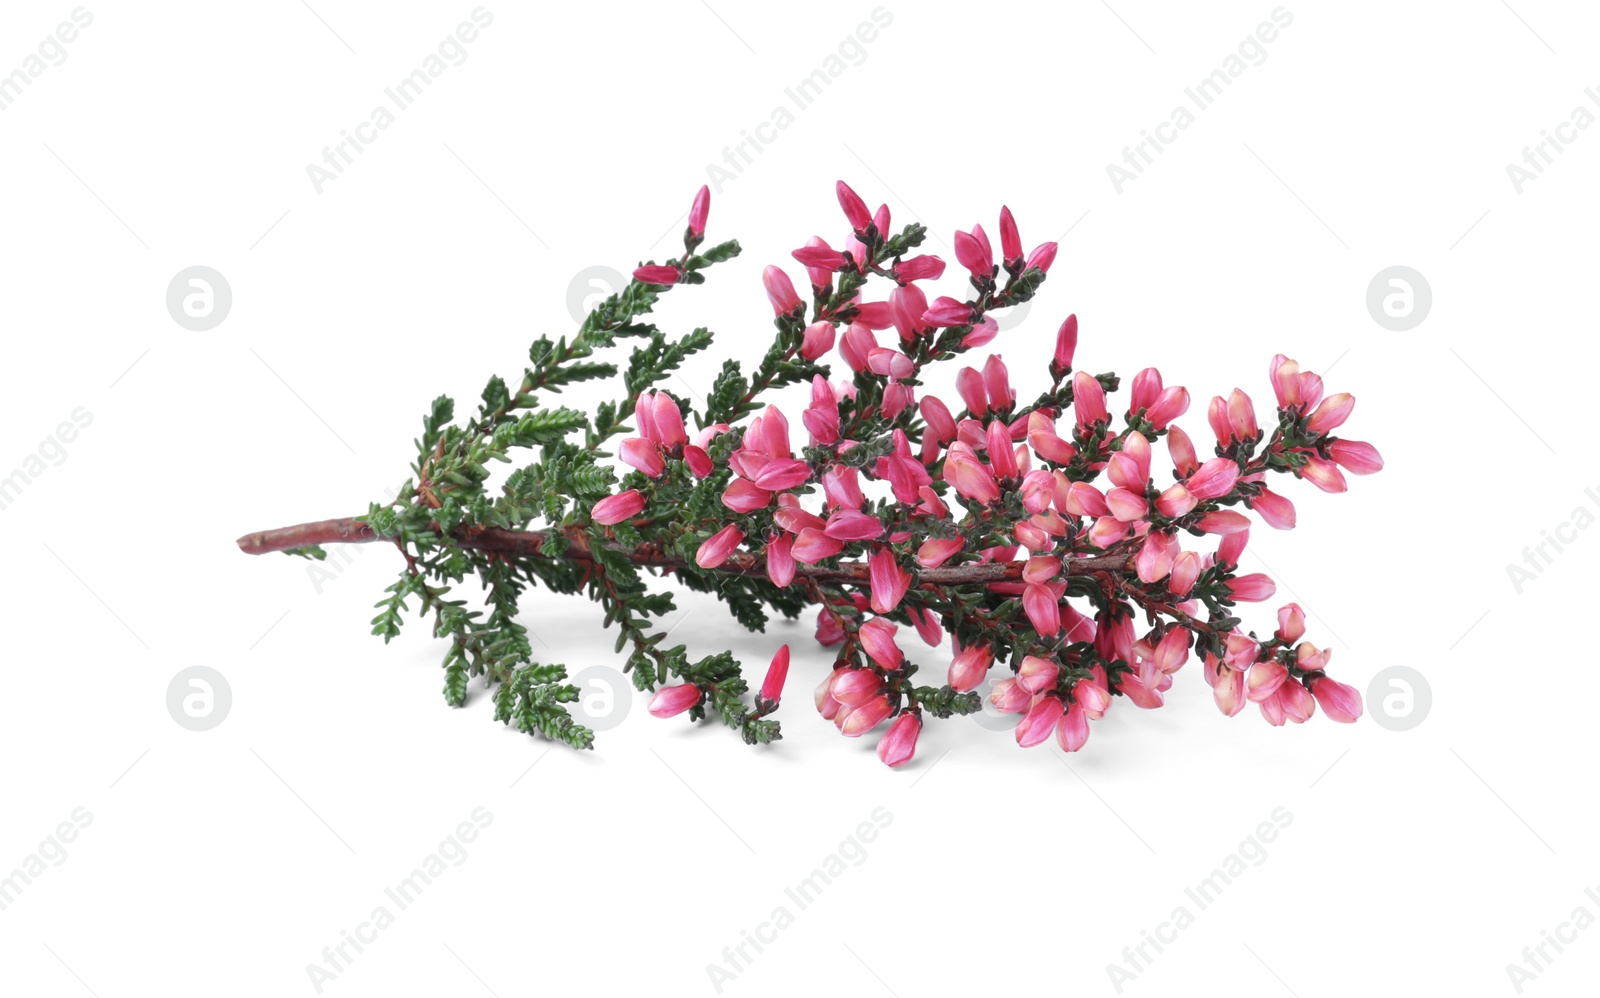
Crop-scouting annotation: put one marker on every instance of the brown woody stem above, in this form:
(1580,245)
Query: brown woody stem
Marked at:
(531,542)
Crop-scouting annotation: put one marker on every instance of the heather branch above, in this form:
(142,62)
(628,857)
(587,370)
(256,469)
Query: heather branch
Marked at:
(724,512)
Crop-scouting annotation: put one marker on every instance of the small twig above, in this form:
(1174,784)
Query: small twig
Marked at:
(530,543)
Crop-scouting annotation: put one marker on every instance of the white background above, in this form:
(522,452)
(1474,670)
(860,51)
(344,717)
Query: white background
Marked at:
(178,134)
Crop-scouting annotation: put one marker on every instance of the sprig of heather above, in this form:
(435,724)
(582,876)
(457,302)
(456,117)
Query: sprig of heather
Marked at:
(1034,533)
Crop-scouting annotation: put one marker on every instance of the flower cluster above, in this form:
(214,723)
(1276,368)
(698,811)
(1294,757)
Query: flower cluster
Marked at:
(1058,513)
(1077,539)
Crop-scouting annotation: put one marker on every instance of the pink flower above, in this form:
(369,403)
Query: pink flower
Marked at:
(1233,418)
(1066,343)
(821,277)
(1083,499)
(970,477)
(1232,547)
(997,384)
(941,425)
(1088,401)
(1002,459)
(857,346)
(1176,501)
(811,545)
(1224,522)
(714,550)
(1323,474)
(1038,489)
(819,258)
(906,306)
(1215,478)
(1137,691)
(877,640)
(927,624)
(821,417)
(1107,531)
(1043,256)
(873,314)
(969,385)
(1240,651)
(1091,696)
(1169,405)
(1309,658)
(777,672)
(1042,606)
(1272,710)
(1010,238)
(969,667)
(783,473)
(1042,437)
(1172,651)
(841,485)
(817,341)
(935,551)
(890,363)
(1185,570)
(1285,376)
(827,706)
(864,718)
(1228,689)
(830,631)
(643,454)
(1009,697)
(1127,506)
(1252,588)
(699,210)
(1041,569)
(671,700)
(1155,557)
(1356,457)
(1296,702)
(1340,702)
(1072,730)
(852,687)
(615,509)
(973,252)
(780,560)
(899,743)
(1130,466)
(986,329)
(1184,461)
(744,496)
(1331,414)
(948,312)
(887,579)
(703,438)
(1144,390)
(792,519)
(780,291)
(1263,679)
(853,525)
(919,268)
(661,420)
(1038,674)
(855,209)
(656,275)
(1031,537)
(1039,722)
(1291,623)
(1275,509)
